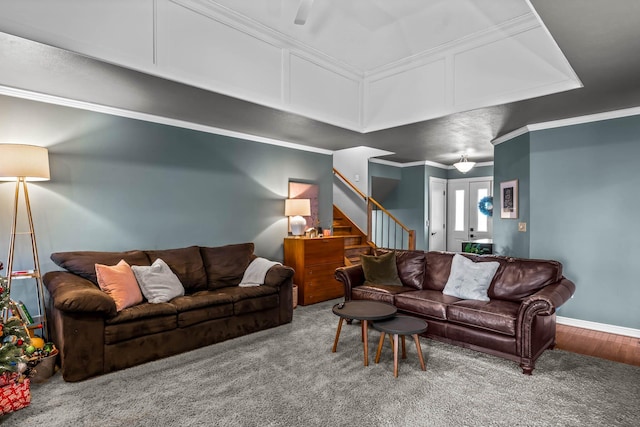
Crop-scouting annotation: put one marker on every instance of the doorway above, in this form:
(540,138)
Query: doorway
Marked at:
(437,214)
(465,220)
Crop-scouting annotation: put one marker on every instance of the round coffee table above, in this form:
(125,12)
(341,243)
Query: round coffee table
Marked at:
(364,311)
(400,326)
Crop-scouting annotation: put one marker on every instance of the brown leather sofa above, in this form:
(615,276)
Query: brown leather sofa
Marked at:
(518,323)
(94,338)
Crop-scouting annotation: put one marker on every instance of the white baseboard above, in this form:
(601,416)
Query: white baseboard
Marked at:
(603,327)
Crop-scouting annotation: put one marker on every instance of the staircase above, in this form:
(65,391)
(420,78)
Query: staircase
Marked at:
(355,240)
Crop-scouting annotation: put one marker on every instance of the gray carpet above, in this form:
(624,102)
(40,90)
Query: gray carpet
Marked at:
(288,377)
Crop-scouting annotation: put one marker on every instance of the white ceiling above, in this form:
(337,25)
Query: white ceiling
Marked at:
(359,65)
(367,34)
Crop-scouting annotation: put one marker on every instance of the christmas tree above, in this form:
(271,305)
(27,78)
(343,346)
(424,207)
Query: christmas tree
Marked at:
(14,337)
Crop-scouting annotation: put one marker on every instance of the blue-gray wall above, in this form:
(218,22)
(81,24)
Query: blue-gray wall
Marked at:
(585,204)
(579,195)
(511,161)
(119,184)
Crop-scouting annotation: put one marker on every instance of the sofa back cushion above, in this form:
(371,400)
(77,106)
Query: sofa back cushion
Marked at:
(83,263)
(186,263)
(438,267)
(225,265)
(411,266)
(518,278)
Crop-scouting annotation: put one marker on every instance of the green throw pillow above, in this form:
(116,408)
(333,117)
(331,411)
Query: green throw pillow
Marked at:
(380,270)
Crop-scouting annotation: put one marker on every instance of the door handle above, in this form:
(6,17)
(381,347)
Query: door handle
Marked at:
(434,233)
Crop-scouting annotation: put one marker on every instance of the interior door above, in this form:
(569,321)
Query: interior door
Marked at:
(437,214)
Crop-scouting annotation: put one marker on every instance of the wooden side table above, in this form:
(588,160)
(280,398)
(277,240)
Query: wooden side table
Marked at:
(364,311)
(400,326)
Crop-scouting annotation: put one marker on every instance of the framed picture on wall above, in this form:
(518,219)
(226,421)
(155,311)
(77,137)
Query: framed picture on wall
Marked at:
(509,199)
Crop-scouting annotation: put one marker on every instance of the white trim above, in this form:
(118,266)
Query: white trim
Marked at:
(607,115)
(603,327)
(82,105)
(473,179)
(421,163)
(408,165)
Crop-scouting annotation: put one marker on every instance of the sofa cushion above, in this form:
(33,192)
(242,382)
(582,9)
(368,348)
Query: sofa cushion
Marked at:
(186,263)
(200,299)
(426,302)
(83,263)
(519,278)
(237,293)
(384,293)
(469,279)
(411,266)
(142,311)
(225,265)
(437,270)
(202,306)
(119,282)
(251,305)
(495,315)
(157,282)
(380,269)
(140,320)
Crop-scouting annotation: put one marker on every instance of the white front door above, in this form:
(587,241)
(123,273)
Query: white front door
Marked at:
(480,225)
(465,220)
(437,214)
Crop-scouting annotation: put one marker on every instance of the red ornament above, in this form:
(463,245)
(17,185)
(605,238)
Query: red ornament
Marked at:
(20,342)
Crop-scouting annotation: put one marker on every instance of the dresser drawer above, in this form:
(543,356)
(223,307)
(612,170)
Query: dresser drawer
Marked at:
(323,251)
(320,284)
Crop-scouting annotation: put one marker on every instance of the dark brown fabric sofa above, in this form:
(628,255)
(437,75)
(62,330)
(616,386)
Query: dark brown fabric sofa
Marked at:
(94,338)
(518,323)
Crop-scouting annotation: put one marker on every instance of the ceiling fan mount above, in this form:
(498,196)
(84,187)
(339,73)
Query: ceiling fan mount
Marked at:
(303,12)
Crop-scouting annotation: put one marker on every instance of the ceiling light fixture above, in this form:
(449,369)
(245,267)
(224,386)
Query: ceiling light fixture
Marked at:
(464,165)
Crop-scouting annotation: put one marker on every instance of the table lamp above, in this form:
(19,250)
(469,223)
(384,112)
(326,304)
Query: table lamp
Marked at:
(296,209)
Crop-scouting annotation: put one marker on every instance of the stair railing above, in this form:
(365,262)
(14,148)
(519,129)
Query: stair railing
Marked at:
(383,229)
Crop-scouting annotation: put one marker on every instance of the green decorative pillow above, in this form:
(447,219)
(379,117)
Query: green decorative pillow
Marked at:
(380,270)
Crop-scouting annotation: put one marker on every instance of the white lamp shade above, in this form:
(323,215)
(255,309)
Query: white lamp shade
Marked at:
(24,161)
(464,165)
(294,207)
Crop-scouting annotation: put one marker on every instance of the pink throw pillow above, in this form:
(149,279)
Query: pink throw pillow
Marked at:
(119,283)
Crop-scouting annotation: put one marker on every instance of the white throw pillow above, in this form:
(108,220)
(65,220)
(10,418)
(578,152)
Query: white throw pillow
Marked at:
(157,282)
(470,280)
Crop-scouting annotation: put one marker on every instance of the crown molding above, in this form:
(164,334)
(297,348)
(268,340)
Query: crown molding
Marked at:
(121,112)
(608,115)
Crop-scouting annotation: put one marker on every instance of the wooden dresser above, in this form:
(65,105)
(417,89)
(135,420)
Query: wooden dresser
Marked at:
(315,261)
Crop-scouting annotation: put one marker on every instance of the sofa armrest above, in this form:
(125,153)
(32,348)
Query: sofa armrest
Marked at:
(350,276)
(72,293)
(536,326)
(281,277)
(549,298)
(278,275)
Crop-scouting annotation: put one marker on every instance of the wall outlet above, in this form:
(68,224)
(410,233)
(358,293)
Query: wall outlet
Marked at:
(522,227)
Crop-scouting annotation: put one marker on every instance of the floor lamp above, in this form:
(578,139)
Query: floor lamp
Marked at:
(22,163)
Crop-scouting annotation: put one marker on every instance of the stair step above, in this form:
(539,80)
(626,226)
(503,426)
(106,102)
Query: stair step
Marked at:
(355,251)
